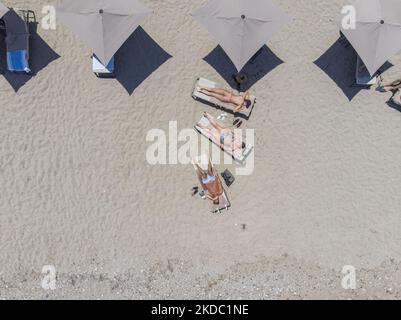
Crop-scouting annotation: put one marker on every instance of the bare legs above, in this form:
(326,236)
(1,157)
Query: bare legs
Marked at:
(214,188)
(224,135)
(219,128)
(202,173)
(214,123)
(226,97)
(219,94)
(392,86)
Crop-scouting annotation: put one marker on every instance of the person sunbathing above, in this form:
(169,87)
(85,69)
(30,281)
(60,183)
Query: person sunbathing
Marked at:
(225,96)
(210,182)
(224,135)
(391,86)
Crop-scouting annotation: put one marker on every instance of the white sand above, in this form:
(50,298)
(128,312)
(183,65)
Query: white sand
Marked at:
(76,191)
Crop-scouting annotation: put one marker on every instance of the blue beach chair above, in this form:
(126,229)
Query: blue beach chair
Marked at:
(17,42)
(17,61)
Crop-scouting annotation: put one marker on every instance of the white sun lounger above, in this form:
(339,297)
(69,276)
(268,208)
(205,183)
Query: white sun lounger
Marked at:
(202,82)
(224,203)
(362,76)
(238,155)
(101,70)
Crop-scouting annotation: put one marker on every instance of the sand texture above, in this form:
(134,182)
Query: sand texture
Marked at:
(77,192)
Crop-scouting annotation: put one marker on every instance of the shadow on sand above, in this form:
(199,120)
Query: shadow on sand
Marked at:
(339,63)
(137,59)
(41,55)
(257,67)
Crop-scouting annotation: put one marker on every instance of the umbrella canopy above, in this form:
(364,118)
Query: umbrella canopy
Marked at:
(17,31)
(377,35)
(3,10)
(104,25)
(241,27)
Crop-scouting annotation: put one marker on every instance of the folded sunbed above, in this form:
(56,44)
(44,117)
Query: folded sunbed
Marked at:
(101,70)
(17,42)
(224,203)
(362,76)
(245,113)
(239,155)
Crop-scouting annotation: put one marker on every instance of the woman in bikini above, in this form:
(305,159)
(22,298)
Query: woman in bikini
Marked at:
(225,135)
(210,182)
(226,96)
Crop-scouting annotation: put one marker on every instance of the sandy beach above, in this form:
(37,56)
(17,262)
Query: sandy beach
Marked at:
(76,191)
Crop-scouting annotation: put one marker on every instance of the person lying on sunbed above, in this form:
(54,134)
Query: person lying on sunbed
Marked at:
(223,135)
(210,182)
(225,96)
(391,86)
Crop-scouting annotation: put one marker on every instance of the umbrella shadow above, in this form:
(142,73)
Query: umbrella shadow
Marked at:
(257,67)
(137,59)
(339,63)
(41,55)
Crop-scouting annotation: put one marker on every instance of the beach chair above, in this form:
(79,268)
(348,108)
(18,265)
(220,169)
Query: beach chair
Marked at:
(213,102)
(224,203)
(395,101)
(17,42)
(362,75)
(102,71)
(238,155)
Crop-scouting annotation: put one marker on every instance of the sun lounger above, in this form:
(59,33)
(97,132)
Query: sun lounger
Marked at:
(17,42)
(238,155)
(101,70)
(224,203)
(395,100)
(362,76)
(201,82)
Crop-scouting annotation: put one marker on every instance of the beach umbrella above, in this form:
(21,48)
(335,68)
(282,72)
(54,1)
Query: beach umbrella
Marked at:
(377,33)
(3,10)
(104,25)
(241,27)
